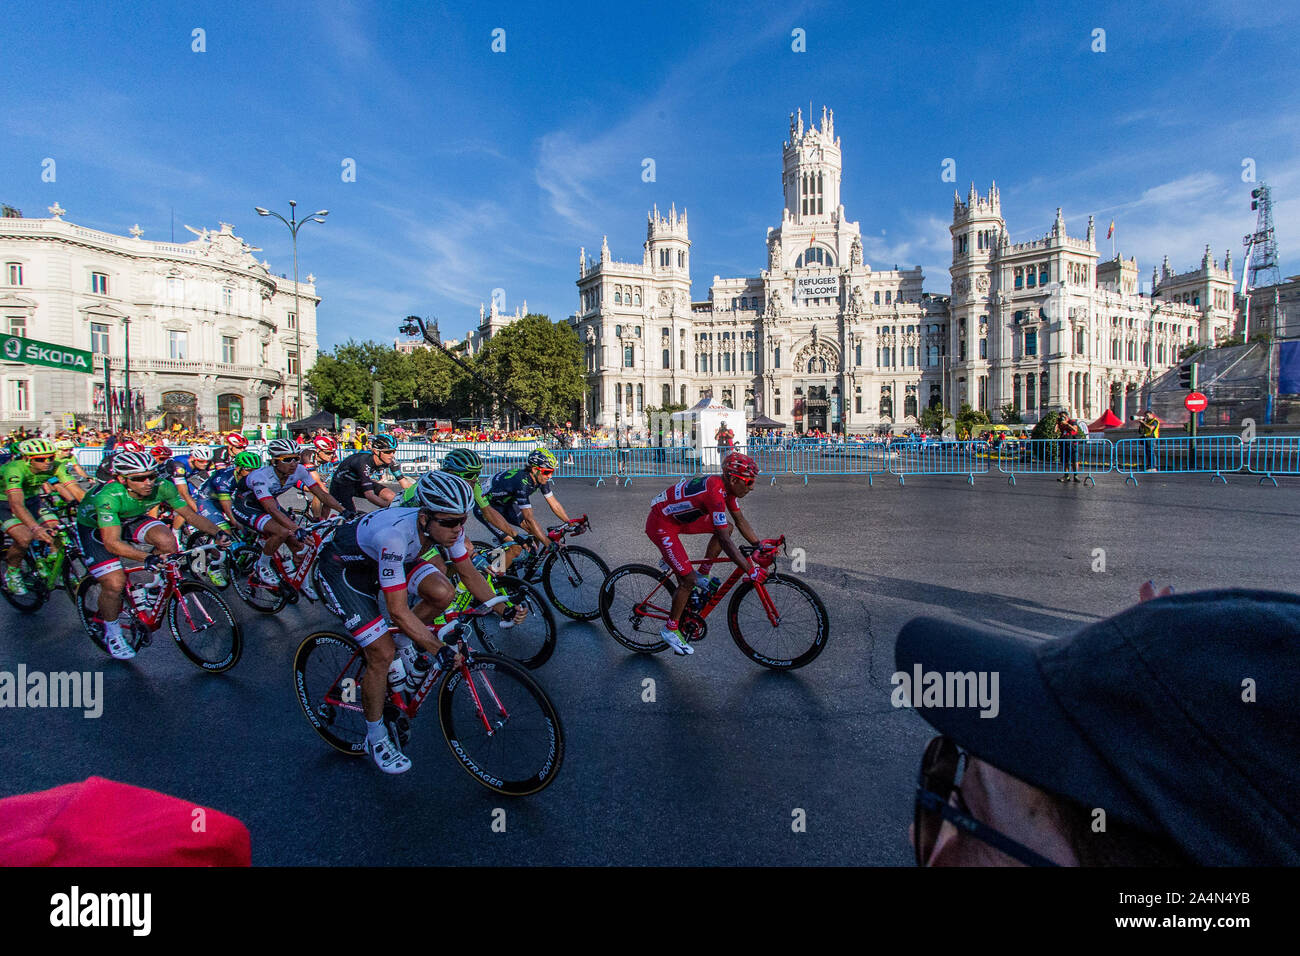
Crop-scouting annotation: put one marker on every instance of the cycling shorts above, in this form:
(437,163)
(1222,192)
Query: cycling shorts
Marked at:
(35,507)
(99,559)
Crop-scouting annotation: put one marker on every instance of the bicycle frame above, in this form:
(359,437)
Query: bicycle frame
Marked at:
(760,556)
(151,616)
(409,705)
(305,558)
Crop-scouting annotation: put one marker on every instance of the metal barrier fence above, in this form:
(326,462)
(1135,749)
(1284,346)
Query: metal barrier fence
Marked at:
(866,458)
(1273,456)
(1215,455)
(938,458)
(1212,455)
(1047,456)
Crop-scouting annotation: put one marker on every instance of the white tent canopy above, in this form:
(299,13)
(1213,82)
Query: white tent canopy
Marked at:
(700,425)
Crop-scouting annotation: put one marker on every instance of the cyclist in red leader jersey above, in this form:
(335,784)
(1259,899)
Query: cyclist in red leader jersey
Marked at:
(700,506)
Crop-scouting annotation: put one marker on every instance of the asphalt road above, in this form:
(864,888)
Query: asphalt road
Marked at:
(713,770)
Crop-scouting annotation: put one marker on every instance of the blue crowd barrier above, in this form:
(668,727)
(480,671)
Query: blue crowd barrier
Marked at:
(595,463)
(1272,456)
(938,458)
(1210,454)
(864,458)
(656,462)
(1047,456)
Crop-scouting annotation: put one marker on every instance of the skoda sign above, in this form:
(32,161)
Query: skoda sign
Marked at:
(16,349)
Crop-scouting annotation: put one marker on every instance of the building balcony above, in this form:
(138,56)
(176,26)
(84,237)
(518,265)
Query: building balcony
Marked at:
(189,367)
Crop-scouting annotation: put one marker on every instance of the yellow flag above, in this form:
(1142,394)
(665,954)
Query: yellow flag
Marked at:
(155,423)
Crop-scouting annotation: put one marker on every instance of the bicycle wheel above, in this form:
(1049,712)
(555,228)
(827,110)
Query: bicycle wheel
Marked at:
(635,602)
(530,642)
(501,726)
(573,577)
(203,626)
(797,639)
(266,598)
(36,591)
(327,672)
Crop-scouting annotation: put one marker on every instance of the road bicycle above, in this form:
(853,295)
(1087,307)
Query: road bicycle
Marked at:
(272,598)
(218,571)
(47,567)
(781,623)
(572,576)
(199,620)
(530,641)
(498,722)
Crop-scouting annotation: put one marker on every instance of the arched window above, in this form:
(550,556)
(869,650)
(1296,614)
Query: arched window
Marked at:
(1015,392)
(911,356)
(814,256)
(618,295)
(636,296)
(1030,383)
(909,404)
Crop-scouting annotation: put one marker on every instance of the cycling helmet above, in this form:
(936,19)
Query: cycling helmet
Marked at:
(464,462)
(129,445)
(65,444)
(325,445)
(444,492)
(35,446)
(248,459)
(282,447)
(236,440)
(200,453)
(742,466)
(160,452)
(133,463)
(383,443)
(542,458)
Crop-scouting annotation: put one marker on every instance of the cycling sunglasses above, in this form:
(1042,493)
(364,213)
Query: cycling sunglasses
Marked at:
(747,482)
(147,476)
(284,458)
(451,522)
(546,472)
(40,457)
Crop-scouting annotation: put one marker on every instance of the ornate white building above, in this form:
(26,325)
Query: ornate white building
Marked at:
(821,340)
(212,332)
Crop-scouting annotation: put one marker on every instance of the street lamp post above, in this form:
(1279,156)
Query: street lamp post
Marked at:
(129,411)
(294,224)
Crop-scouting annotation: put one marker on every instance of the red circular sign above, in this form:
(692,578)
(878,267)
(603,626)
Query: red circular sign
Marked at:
(1196,402)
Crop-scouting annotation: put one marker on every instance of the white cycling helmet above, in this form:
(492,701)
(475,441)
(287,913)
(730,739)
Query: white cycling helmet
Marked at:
(201,453)
(444,492)
(133,463)
(282,447)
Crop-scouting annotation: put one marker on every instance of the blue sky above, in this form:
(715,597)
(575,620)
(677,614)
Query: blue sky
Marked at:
(478,170)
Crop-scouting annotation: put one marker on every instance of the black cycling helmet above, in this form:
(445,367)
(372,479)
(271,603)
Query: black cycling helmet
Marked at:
(382,442)
(464,462)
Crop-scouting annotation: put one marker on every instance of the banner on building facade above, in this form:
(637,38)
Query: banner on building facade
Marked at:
(816,287)
(17,349)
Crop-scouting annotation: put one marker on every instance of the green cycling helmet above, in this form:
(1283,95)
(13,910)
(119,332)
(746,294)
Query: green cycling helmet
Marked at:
(543,458)
(248,459)
(464,462)
(33,447)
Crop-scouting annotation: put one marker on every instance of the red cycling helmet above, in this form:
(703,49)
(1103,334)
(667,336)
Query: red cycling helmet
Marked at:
(160,452)
(129,445)
(236,440)
(325,444)
(742,466)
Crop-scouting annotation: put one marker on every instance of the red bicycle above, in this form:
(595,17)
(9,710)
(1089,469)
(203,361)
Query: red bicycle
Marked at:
(272,598)
(497,720)
(781,623)
(199,620)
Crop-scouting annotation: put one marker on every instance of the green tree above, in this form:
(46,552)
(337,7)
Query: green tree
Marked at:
(539,365)
(969,418)
(1009,414)
(931,419)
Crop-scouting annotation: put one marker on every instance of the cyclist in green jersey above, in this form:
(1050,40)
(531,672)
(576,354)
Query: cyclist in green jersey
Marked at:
(114,522)
(465,464)
(22,514)
(67,470)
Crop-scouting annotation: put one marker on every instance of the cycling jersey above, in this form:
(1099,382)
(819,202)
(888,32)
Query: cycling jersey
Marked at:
(175,471)
(263,483)
(114,505)
(220,485)
(355,475)
(694,506)
(509,493)
(19,474)
(196,478)
(373,554)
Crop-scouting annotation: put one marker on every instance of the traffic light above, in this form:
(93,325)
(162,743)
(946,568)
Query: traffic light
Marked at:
(1185,375)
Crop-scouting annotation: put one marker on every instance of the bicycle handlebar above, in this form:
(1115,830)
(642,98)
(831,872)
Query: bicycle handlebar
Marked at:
(479,611)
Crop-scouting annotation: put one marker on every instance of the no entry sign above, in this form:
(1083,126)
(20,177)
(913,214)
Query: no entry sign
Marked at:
(1195,402)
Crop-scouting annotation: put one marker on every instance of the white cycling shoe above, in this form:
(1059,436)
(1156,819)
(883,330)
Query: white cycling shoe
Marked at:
(388,756)
(308,590)
(119,647)
(676,642)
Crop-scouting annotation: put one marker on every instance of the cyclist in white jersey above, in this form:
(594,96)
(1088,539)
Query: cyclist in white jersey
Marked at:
(401,553)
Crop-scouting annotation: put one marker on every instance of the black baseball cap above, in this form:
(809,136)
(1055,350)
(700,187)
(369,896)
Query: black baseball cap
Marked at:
(1179,716)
